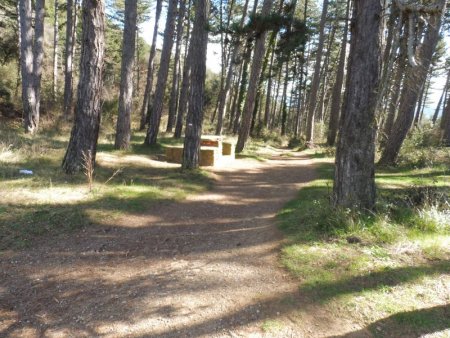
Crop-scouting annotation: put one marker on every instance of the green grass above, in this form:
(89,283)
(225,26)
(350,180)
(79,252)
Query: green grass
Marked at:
(272,326)
(388,270)
(257,150)
(50,202)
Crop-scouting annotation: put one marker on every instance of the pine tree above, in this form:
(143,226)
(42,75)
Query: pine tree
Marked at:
(199,42)
(123,129)
(83,139)
(354,182)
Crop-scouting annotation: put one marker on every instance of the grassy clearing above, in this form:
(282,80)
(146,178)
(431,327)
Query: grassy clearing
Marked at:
(390,270)
(258,150)
(50,202)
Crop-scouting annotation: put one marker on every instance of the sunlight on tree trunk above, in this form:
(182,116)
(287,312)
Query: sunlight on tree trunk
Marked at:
(84,135)
(354,182)
(123,129)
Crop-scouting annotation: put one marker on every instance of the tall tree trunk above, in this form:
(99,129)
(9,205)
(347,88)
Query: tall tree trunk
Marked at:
(269,92)
(19,48)
(235,98)
(444,115)
(390,50)
(232,62)
(242,88)
(225,60)
(337,89)
(55,52)
(298,111)
(149,82)
(324,78)
(137,67)
(173,102)
(223,65)
(68,68)
(301,104)
(123,129)
(184,91)
(393,102)
(354,183)
(153,130)
(244,78)
(316,77)
(31,115)
(275,101)
(419,103)
(271,46)
(38,57)
(415,78)
(255,73)
(284,103)
(441,99)
(83,139)
(199,43)
(445,124)
(423,99)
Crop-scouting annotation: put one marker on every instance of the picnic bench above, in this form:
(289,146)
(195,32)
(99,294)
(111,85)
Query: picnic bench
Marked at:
(213,150)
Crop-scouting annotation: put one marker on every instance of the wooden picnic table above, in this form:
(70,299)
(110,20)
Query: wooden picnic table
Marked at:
(213,150)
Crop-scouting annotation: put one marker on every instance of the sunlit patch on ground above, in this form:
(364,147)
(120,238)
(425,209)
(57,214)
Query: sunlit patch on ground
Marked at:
(45,200)
(390,270)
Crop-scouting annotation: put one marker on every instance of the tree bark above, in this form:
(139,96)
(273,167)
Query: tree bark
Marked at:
(270,48)
(284,103)
(445,125)
(68,68)
(137,66)
(337,89)
(393,102)
(232,63)
(123,128)
(269,93)
(55,52)
(324,78)
(149,82)
(173,102)
(354,183)
(390,50)
(423,98)
(316,77)
(153,130)
(32,55)
(84,135)
(38,56)
(30,114)
(19,48)
(235,98)
(183,100)
(242,87)
(255,74)
(441,99)
(415,78)
(301,104)
(275,101)
(199,43)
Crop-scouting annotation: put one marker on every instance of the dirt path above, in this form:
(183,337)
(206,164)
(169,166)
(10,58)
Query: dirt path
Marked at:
(205,267)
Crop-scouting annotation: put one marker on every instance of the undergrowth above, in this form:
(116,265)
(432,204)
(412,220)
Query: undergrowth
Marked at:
(49,202)
(387,270)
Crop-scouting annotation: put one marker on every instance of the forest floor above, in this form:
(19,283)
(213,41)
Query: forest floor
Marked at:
(205,266)
(157,253)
